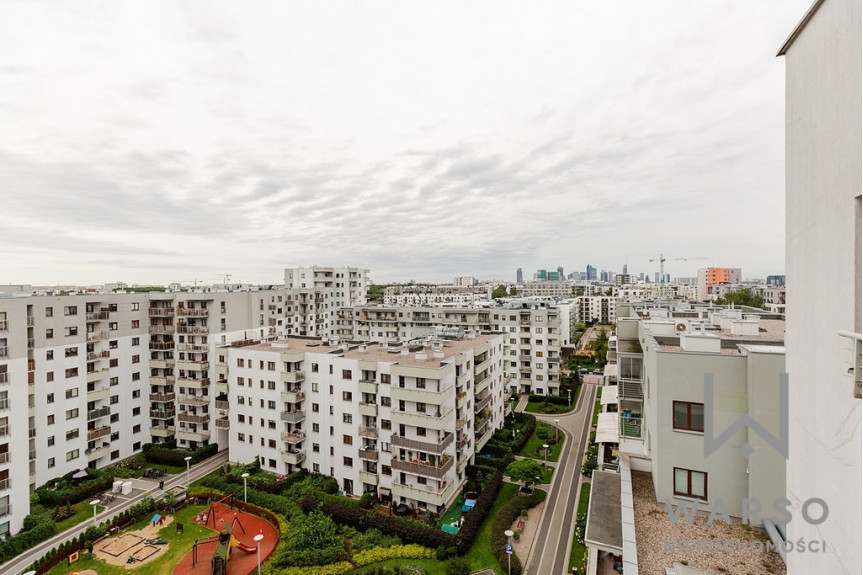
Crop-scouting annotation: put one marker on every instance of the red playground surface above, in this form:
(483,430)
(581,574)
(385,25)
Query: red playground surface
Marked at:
(244,560)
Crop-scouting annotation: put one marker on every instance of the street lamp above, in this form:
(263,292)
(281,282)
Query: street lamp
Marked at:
(509,533)
(245,488)
(258,538)
(569,397)
(94,503)
(556,423)
(545,447)
(187,460)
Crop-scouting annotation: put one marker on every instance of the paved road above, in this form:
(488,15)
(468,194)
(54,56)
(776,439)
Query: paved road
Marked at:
(550,551)
(21,562)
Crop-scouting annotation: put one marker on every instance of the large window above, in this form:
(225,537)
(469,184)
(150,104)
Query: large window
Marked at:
(690,483)
(688,416)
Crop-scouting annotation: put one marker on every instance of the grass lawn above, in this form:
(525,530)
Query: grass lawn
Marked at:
(83,511)
(533,447)
(480,554)
(180,544)
(169,469)
(577,556)
(546,408)
(432,566)
(596,409)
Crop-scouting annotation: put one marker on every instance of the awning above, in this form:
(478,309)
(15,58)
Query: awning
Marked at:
(609,395)
(384,491)
(80,474)
(606,428)
(604,528)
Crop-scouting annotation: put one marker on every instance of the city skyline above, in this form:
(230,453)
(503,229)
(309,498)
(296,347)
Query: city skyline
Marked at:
(165,143)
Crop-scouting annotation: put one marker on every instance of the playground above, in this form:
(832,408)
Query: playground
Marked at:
(134,548)
(231,550)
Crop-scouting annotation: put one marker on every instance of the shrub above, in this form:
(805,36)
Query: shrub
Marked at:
(502,521)
(374,538)
(377,554)
(458,566)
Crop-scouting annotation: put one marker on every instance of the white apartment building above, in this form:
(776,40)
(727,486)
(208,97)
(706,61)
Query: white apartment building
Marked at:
(774,299)
(317,293)
(823,240)
(401,421)
(550,289)
(436,295)
(596,308)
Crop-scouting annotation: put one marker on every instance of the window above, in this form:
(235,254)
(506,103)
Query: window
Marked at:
(49,334)
(50,441)
(316,447)
(241,400)
(271,366)
(347,395)
(348,461)
(49,312)
(348,439)
(136,411)
(136,324)
(690,483)
(386,470)
(71,413)
(70,455)
(70,310)
(314,368)
(72,434)
(241,437)
(51,419)
(539,354)
(112,344)
(240,417)
(136,393)
(421,383)
(70,393)
(688,416)
(136,359)
(316,427)
(385,401)
(51,462)
(114,399)
(271,385)
(271,404)
(136,429)
(241,362)
(271,443)
(112,326)
(49,355)
(136,446)
(241,381)
(50,398)
(135,306)
(421,407)
(315,408)
(421,431)
(114,381)
(385,378)
(114,362)
(346,374)
(136,376)
(347,418)
(49,376)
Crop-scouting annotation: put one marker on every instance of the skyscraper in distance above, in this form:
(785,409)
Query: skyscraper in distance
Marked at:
(519,276)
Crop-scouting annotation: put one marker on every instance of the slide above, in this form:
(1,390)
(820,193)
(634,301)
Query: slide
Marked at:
(246,548)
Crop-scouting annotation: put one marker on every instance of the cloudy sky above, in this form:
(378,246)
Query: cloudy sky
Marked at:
(151,142)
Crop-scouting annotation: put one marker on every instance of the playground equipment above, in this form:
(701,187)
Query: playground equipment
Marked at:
(226,540)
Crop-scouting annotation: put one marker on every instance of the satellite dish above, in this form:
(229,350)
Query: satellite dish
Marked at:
(680,327)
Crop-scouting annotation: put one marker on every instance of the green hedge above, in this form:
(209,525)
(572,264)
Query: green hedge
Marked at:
(176,457)
(503,521)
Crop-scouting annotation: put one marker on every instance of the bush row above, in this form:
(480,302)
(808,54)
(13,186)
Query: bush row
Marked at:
(363,558)
(269,486)
(502,521)
(74,494)
(473,520)
(553,399)
(176,457)
(275,503)
(36,529)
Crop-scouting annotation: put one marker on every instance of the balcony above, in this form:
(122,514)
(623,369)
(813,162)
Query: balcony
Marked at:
(193,417)
(294,417)
(161,329)
(188,435)
(162,380)
(162,363)
(482,385)
(163,413)
(368,454)
(430,494)
(194,348)
(368,386)
(223,423)
(163,397)
(434,420)
(483,366)
(193,329)
(6,510)
(462,399)
(196,400)
(629,388)
(368,431)
(370,478)
(5,484)
(424,468)
(428,395)
(295,396)
(97,452)
(293,457)
(160,311)
(98,335)
(293,376)
(194,383)
(223,405)
(483,439)
(94,434)
(482,403)
(98,394)
(96,356)
(368,409)
(97,316)
(293,437)
(4,404)
(193,365)
(97,374)
(162,430)
(4,457)
(4,378)
(426,446)
(97,413)
(192,312)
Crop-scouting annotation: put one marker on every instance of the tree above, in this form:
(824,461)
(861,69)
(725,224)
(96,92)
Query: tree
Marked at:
(741,297)
(524,470)
(375,293)
(499,291)
(513,291)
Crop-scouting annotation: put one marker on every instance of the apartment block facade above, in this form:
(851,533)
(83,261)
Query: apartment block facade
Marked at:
(400,421)
(315,295)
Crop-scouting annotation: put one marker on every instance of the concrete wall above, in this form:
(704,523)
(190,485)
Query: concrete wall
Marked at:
(823,175)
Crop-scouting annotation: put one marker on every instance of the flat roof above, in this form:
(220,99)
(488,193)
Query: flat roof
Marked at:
(604,524)
(609,394)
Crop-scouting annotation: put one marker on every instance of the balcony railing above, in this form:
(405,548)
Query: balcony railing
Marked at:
(5,484)
(4,457)
(629,388)
(294,457)
(368,454)
(193,418)
(223,405)
(368,430)
(196,312)
(162,346)
(482,403)
(5,510)
(295,436)
(97,413)
(195,400)
(437,471)
(426,446)
(630,426)
(163,397)
(162,413)
(160,311)
(293,416)
(4,378)
(223,423)
(98,432)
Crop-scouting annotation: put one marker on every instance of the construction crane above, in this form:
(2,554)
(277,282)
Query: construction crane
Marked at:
(662,259)
(195,282)
(226,276)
